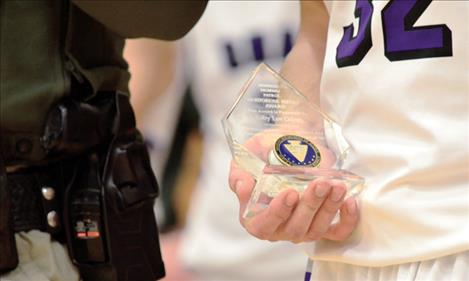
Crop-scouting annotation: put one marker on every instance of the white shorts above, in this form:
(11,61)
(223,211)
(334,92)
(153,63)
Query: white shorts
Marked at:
(41,259)
(449,268)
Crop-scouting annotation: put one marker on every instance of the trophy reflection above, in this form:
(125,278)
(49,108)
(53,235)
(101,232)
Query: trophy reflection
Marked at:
(283,140)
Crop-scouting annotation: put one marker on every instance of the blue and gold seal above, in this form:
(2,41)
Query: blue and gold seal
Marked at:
(294,150)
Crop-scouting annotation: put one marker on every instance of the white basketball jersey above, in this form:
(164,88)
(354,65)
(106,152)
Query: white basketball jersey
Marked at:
(396,77)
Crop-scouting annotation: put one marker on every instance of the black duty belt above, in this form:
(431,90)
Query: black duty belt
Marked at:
(36,194)
(96,193)
(72,128)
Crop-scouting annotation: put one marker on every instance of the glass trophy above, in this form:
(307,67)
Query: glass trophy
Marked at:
(283,140)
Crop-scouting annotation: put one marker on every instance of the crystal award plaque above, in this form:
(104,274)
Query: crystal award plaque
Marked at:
(283,140)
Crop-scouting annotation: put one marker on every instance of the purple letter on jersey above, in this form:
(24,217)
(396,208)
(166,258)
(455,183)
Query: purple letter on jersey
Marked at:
(351,51)
(404,41)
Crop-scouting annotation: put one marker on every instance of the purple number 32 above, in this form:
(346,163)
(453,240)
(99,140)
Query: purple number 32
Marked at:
(402,41)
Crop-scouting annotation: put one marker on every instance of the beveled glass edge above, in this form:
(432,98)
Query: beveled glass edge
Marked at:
(280,77)
(248,83)
(242,92)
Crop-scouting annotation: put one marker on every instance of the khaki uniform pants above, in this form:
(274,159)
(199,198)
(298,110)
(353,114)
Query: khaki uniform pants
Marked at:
(41,259)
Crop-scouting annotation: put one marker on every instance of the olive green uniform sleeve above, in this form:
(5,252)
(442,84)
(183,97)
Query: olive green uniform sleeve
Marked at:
(166,20)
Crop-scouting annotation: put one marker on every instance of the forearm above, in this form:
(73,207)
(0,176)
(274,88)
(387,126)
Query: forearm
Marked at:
(303,66)
(152,64)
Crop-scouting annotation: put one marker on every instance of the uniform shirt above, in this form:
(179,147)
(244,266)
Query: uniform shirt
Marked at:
(46,45)
(401,93)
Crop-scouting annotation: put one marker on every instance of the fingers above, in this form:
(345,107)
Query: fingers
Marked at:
(327,212)
(349,216)
(265,224)
(298,220)
(242,184)
(297,226)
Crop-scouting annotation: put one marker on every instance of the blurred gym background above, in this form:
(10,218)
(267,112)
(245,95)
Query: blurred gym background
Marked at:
(180,92)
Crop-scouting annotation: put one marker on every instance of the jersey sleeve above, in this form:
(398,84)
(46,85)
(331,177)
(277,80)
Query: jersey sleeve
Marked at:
(165,20)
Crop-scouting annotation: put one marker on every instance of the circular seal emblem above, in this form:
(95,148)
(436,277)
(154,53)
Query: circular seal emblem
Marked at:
(294,150)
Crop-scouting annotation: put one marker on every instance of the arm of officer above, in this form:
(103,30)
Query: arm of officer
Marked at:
(289,217)
(166,20)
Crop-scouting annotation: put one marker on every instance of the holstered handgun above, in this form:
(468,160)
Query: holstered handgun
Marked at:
(108,204)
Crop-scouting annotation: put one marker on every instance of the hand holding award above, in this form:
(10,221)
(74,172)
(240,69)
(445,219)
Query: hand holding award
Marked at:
(292,152)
